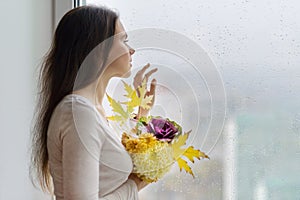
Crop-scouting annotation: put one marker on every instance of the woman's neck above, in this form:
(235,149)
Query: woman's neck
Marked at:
(95,93)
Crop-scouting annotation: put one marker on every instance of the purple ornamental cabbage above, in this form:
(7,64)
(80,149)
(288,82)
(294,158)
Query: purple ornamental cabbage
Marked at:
(163,129)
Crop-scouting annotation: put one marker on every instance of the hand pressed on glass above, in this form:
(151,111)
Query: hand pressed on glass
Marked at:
(139,79)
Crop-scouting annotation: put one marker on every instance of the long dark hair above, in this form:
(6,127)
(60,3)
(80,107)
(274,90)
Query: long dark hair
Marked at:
(77,34)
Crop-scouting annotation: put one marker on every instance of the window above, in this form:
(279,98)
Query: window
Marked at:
(255,47)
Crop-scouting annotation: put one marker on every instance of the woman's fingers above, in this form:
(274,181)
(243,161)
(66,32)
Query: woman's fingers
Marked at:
(152,87)
(138,79)
(148,74)
(142,71)
(152,90)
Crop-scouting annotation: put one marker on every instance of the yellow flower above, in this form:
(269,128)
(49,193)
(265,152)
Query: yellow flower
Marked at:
(151,157)
(141,144)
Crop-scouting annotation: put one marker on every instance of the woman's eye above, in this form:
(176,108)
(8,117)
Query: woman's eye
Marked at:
(126,40)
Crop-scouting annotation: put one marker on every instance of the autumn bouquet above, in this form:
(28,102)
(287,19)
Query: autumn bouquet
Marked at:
(154,143)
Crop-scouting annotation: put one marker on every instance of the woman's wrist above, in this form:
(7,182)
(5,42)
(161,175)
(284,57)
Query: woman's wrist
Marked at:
(142,113)
(133,183)
(137,181)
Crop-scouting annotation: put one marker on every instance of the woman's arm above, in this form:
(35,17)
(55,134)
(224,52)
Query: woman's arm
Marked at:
(82,143)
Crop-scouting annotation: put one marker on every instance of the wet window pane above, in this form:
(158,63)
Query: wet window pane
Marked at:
(255,46)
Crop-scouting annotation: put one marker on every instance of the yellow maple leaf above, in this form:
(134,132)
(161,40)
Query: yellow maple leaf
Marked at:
(128,89)
(132,95)
(117,108)
(183,165)
(115,118)
(145,101)
(136,100)
(192,153)
(178,143)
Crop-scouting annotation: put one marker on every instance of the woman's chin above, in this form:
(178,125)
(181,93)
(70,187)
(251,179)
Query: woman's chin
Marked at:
(127,74)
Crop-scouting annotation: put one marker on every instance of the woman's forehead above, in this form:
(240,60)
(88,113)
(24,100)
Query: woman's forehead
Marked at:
(119,27)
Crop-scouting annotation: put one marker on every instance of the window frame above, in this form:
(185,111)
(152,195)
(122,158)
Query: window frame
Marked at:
(60,7)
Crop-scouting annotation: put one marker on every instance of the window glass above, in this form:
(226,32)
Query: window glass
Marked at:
(255,46)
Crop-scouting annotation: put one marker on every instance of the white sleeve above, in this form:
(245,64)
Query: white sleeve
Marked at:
(127,191)
(82,142)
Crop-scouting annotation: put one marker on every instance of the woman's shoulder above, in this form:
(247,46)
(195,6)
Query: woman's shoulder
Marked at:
(78,108)
(75,110)
(74,116)
(72,102)
(75,106)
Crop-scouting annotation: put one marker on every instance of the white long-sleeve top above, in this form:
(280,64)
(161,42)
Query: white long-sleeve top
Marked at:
(86,158)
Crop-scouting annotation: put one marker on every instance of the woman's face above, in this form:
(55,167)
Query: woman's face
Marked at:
(120,54)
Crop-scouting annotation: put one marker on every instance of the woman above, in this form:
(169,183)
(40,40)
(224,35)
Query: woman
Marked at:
(73,144)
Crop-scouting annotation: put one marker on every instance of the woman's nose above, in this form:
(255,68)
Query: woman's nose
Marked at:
(131,51)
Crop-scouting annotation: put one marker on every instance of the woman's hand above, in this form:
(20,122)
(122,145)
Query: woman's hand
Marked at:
(138,80)
(139,182)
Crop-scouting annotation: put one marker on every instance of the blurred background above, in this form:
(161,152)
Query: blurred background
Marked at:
(255,46)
